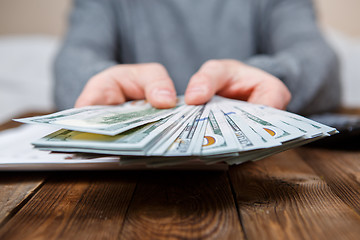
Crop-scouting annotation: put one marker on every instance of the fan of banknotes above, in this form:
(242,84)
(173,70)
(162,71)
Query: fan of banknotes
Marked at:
(223,130)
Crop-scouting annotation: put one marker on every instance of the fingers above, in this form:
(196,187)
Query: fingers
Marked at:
(100,90)
(106,88)
(125,82)
(228,78)
(256,86)
(211,77)
(272,93)
(158,87)
(233,79)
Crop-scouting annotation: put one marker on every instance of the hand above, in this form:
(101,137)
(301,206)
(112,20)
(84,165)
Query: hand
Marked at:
(130,81)
(234,79)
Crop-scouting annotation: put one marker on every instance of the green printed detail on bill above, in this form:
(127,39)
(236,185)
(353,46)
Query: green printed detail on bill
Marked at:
(220,131)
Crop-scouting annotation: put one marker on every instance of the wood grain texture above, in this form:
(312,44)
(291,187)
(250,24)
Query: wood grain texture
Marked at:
(299,194)
(16,189)
(86,205)
(281,197)
(340,170)
(183,205)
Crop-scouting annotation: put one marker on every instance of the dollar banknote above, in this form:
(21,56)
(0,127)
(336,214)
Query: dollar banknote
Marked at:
(107,120)
(222,130)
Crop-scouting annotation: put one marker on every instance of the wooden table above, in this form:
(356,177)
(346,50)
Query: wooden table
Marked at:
(303,193)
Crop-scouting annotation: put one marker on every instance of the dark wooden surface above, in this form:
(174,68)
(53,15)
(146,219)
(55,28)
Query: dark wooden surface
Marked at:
(304,193)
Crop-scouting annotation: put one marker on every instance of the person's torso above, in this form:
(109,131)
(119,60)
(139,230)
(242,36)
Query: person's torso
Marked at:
(183,34)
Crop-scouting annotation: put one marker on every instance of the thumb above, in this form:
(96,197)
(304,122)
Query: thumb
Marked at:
(211,77)
(159,88)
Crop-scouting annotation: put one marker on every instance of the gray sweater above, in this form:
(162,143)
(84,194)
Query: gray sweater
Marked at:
(278,36)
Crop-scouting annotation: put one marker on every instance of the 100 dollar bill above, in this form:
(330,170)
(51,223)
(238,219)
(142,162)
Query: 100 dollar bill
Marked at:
(107,120)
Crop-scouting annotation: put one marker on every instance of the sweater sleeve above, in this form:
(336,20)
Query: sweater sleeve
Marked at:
(292,48)
(89,47)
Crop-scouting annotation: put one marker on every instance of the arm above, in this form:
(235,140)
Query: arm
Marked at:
(293,62)
(87,71)
(90,46)
(293,49)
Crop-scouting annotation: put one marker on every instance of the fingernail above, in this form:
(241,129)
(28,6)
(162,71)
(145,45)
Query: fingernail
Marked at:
(196,90)
(164,95)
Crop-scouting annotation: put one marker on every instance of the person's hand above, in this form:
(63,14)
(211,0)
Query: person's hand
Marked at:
(228,78)
(130,81)
(233,79)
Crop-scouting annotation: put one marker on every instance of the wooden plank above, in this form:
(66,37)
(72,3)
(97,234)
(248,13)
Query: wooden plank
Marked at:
(351,111)
(77,205)
(183,205)
(281,197)
(16,189)
(340,170)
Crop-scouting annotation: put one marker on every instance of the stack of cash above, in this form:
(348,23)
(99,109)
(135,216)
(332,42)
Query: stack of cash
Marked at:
(223,130)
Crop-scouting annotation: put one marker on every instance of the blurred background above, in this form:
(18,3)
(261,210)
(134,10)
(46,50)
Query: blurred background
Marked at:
(31,32)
